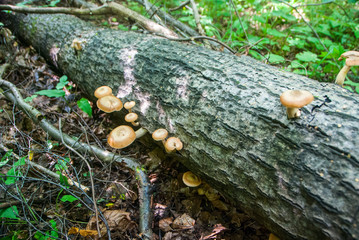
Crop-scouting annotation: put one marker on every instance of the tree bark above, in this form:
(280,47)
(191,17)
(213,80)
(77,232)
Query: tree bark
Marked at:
(300,178)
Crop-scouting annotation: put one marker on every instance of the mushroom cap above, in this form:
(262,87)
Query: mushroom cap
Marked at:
(296,98)
(131,117)
(129,105)
(191,180)
(160,134)
(109,104)
(349,54)
(352,62)
(103,91)
(173,143)
(121,137)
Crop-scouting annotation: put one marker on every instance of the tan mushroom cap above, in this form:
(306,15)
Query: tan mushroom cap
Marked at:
(352,62)
(103,91)
(109,104)
(173,144)
(129,105)
(121,137)
(349,54)
(159,134)
(131,117)
(191,180)
(352,58)
(296,98)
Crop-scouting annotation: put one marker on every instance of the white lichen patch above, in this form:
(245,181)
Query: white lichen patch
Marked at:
(143,99)
(182,91)
(127,58)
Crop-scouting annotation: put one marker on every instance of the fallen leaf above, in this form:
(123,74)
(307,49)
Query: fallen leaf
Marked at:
(165,223)
(118,220)
(220,205)
(73,230)
(87,233)
(183,222)
(217,229)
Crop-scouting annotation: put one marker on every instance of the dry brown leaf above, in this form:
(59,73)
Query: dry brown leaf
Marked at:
(220,205)
(217,229)
(118,220)
(183,222)
(88,233)
(165,223)
(73,230)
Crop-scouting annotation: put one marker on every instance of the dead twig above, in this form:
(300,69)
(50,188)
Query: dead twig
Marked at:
(179,6)
(91,178)
(45,170)
(51,10)
(239,19)
(199,37)
(110,8)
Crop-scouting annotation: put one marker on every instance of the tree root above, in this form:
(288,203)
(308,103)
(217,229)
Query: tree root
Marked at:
(106,156)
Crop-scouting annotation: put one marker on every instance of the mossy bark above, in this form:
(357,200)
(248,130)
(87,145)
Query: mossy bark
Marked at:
(300,178)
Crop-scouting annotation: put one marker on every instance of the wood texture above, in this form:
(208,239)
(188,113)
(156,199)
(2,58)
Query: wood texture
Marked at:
(300,178)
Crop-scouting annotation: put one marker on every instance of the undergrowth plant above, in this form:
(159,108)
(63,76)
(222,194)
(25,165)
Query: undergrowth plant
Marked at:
(297,35)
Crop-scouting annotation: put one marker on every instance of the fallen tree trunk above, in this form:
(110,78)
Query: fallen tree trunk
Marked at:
(300,178)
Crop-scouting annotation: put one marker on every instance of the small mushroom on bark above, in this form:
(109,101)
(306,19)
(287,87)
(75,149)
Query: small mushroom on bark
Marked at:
(160,135)
(103,91)
(352,59)
(295,99)
(129,105)
(172,144)
(191,180)
(109,104)
(132,117)
(121,137)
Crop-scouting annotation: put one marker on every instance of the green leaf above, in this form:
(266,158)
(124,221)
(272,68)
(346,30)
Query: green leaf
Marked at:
(122,27)
(29,99)
(10,212)
(286,48)
(275,33)
(85,106)
(68,198)
(12,175)
(351,83)
(2,163)
(307,57)
(63,82)
(296,42)
(20,162)
(54,2)
(63,180)
(52,93)
(273,58)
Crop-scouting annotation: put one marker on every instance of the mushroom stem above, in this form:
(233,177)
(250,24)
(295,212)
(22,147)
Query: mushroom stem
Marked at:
(140,132)
(135,123)
(293,112)
(341,75)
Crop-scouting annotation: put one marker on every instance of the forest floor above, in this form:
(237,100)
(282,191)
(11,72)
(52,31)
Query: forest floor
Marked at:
(179,212)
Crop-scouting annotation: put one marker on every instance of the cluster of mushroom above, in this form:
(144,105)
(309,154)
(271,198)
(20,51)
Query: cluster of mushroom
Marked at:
(351,59)
(122,136)
(171,144)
